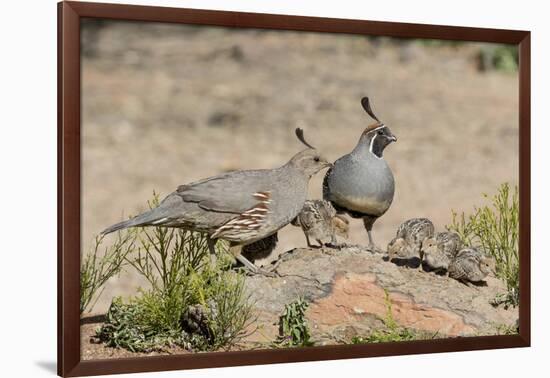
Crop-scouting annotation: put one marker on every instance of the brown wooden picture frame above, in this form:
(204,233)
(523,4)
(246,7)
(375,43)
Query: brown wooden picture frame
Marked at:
(69,190)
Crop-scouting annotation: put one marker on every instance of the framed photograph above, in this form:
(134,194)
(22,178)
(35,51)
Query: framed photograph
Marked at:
(240,188)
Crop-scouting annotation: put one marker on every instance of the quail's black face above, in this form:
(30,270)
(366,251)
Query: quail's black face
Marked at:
(378,138)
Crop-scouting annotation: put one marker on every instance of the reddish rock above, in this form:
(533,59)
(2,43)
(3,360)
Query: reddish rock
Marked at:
(347,289)
(355,296)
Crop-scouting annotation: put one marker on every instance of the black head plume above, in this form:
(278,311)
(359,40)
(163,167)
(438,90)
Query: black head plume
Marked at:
(300,135)
(366,105)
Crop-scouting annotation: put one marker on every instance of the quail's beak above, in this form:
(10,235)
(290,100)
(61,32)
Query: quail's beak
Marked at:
(325,162)
(393,138)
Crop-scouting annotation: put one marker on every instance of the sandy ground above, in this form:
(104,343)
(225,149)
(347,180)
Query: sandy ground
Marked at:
(165,105)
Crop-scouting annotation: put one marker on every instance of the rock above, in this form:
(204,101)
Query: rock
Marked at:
(347,290)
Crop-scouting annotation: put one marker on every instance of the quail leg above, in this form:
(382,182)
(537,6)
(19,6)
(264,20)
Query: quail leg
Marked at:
(421,255)
(235,250)
(368,222)
(309,242)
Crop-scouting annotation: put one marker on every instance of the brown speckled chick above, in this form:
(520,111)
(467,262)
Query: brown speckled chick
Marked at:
(261,248)
(441,249)
(470,265)
(409,237)
(319,221)
(341,226)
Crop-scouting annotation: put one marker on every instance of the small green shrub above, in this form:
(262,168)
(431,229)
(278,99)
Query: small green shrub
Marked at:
(293,326)
(494,228)
(151,322)
(177,265)
(96,268)
(499,57)
(490,56)
(127,326)
(230,310)
(391,331)
(505,329)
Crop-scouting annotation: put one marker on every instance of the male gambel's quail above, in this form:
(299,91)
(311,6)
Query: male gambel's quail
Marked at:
(319,222)
(240,207)
(470,265)
(441,249)
(409,237)
(361,182)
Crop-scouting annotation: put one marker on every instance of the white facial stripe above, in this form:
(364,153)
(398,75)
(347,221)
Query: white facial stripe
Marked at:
(371,144)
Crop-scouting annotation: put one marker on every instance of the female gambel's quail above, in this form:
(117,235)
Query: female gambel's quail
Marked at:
(441,249)
(361,182)
(470,265)
(409,237)
(319,222)
(240,207)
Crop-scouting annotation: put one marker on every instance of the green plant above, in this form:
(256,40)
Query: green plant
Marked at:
(126,326)
(494,228)
(96,269)
(391,331)
(293,326)
(176,263)
(505,329)
(230,311)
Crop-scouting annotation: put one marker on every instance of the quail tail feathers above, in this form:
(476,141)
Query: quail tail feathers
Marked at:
(145,219)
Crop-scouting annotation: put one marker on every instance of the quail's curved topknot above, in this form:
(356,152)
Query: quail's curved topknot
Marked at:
(366,105)
(300,135)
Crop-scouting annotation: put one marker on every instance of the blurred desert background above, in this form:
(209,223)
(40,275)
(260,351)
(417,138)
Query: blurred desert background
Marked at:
(164,105)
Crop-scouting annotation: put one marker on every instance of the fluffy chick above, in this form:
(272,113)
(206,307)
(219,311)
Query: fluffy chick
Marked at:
(340,225)
(319,222)
(441,249)
(409,237)
(262,248)
(470,265)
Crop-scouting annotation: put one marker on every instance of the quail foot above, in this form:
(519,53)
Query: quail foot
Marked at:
(240,207)
(361,183)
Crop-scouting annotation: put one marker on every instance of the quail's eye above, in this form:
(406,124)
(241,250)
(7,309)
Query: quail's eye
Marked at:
(316,158)
(380,132)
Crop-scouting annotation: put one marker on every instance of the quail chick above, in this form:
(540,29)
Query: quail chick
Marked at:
(195,320)
(441,249)
(361,183)
(341,226)
(318,222)
(409,237)
(261,248)
(470,265)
